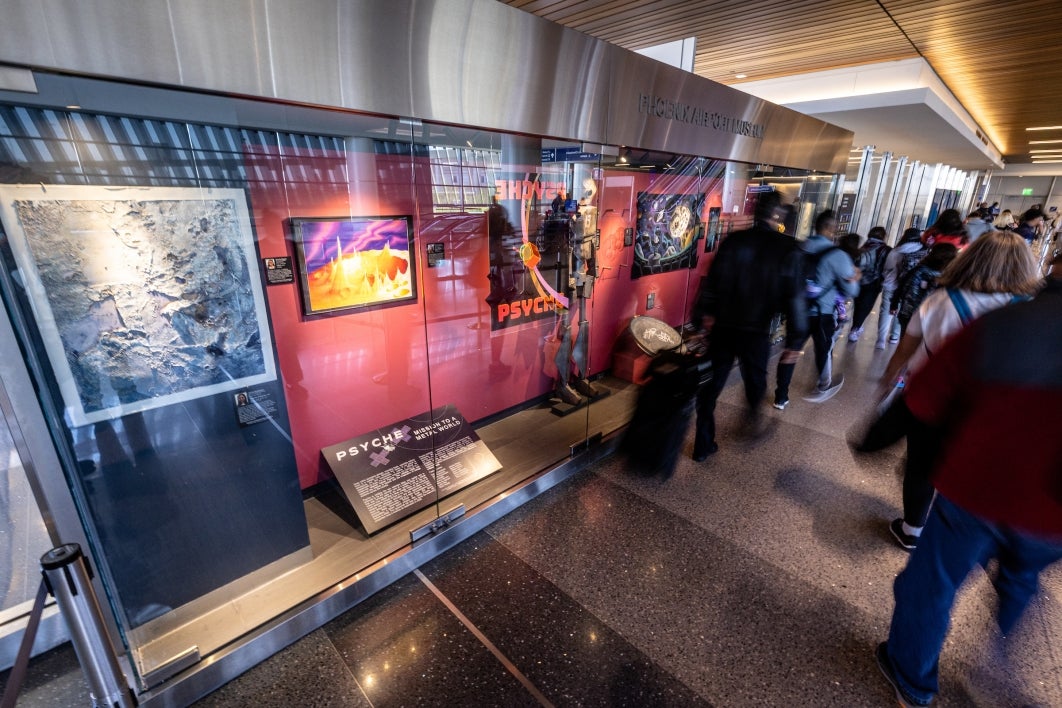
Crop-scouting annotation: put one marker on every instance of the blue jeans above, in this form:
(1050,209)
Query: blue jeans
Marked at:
(953,542)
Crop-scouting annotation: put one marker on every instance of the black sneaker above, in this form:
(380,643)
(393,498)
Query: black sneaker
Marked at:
(702,456)
(905,540)
(885,664)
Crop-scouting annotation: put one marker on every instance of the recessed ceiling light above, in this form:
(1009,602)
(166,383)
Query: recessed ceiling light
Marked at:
(1047,127)
(740,76)
(1047,162)
(1043,142)
(73,107)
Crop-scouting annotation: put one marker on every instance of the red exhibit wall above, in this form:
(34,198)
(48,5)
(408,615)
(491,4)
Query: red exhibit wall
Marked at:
(351,372)
(618,298)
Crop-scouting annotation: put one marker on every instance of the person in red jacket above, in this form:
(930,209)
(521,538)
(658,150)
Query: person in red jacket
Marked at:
(998,479)
(948,228)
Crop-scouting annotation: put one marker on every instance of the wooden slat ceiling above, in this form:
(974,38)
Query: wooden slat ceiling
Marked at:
(1001,59)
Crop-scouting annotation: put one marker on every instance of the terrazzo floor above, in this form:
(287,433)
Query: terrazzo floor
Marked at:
(762,577)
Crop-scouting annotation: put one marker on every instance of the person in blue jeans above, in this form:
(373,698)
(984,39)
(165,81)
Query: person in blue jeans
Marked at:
(998,480)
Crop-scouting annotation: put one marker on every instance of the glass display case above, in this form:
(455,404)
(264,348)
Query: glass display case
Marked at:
(273,360)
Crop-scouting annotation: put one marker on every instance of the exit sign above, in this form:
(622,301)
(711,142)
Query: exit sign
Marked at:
(1027,192)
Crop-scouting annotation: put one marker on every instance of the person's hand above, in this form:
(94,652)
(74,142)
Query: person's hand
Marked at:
(791,356)
(856,275)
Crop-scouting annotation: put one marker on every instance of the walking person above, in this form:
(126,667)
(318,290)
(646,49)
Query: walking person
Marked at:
(999,478)
(900,261)
(917,285)
(1032,225)
(993,271)
(830,274)
(872,257)
(756,274)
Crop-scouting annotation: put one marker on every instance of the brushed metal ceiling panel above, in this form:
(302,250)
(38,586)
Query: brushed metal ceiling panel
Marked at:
(652,104)
(1000,59)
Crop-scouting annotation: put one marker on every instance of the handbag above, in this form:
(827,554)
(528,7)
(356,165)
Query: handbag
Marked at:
(891,423)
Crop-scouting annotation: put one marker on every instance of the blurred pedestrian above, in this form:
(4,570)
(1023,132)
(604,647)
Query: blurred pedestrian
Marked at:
(999,480)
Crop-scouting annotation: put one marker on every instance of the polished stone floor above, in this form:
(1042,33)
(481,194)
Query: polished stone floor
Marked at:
(761,577)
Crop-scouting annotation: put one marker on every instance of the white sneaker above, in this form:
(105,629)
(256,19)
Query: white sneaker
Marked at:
(855,334)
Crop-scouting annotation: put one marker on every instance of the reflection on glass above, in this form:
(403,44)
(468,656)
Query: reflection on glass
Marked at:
(23,537)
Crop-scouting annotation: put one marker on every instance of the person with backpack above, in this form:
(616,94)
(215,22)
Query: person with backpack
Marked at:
(872,257)
(920,282)
(828,273)
(995,270)
(900,261)
(1000,483)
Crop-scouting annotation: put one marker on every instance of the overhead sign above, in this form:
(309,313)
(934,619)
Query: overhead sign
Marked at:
(568,154)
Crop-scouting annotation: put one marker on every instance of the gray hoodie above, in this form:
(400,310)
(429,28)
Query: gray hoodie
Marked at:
(834,274)
(892,263)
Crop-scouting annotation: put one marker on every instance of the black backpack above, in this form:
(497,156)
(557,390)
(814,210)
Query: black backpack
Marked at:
(908,263)
(872,262)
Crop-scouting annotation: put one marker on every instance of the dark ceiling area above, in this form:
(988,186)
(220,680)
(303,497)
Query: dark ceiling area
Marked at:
(1001,60)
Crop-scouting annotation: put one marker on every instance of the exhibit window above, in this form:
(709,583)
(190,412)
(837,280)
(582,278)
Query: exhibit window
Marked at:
(269,360)
(268,357)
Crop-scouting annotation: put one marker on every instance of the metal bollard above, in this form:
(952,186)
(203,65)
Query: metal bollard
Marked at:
(67,576)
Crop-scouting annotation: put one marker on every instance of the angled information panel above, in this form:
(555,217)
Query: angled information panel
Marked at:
(389,473)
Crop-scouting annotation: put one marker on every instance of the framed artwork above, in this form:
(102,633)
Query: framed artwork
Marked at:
(350,263)
(667,230)
(144,296)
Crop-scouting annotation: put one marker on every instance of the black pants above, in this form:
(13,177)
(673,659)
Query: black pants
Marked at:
(918,491)
(864,303)
(750,349)
(821,328)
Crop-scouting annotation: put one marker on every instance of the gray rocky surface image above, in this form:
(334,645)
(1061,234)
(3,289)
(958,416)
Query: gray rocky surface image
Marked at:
(150,298)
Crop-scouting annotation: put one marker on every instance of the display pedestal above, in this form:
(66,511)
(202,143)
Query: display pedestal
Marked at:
(631,364)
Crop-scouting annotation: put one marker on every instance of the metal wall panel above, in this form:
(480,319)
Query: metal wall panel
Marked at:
(659,107)
(469,62)
(133,39)
(304,50)
(479,62)
(24,33)
(374,56)
(225,51)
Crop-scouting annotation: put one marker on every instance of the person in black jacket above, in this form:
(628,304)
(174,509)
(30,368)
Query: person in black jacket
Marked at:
(756,273)
(872,274)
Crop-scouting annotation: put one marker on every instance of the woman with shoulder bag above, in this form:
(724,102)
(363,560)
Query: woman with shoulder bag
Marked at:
(993,271)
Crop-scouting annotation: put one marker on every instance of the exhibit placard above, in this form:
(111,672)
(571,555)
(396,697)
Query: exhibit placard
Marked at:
(278,270)
(394,471)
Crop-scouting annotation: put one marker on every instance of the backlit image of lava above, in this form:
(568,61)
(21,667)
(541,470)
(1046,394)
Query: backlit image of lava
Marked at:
(356,262)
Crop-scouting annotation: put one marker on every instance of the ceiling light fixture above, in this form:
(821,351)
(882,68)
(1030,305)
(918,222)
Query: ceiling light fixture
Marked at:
(1044,142)
(740,76)
(1047,127)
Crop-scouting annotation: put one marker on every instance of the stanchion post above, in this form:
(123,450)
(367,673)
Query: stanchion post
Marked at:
(67,575)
